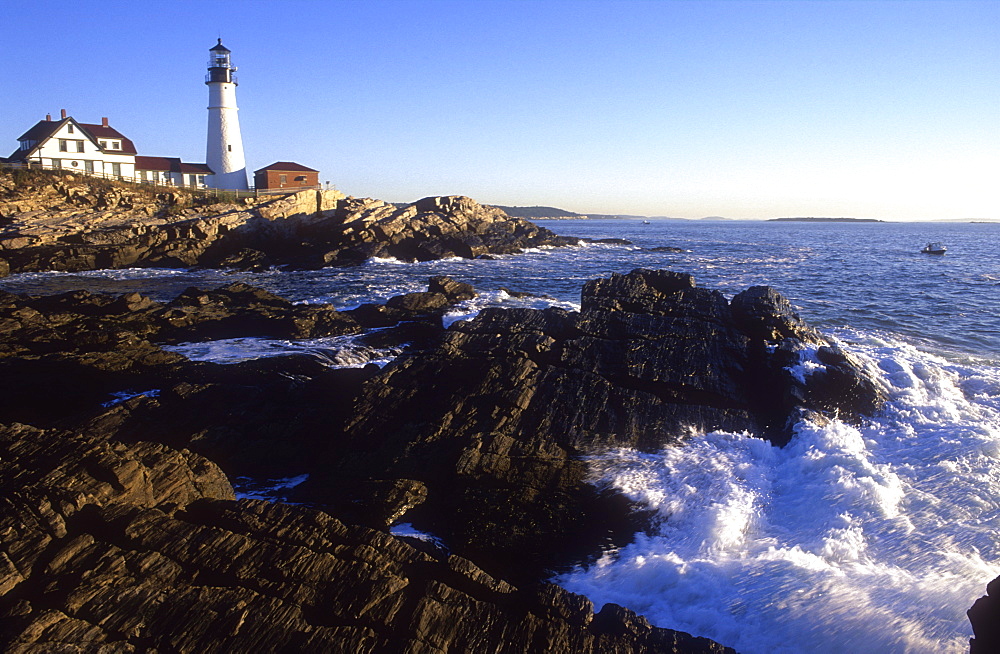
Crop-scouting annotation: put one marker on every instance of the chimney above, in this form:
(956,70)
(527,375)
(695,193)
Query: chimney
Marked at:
(48,117)
(104,121)
(63,113)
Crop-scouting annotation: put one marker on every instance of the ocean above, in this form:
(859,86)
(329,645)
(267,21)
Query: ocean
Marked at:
(875,538)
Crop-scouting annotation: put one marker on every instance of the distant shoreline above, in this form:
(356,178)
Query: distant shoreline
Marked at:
(811,219)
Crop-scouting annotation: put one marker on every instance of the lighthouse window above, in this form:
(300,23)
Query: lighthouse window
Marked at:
(230,148)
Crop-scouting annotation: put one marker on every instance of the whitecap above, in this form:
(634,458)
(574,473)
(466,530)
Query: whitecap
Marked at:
(271,490)
(332,351)
(871,538)
(407,530)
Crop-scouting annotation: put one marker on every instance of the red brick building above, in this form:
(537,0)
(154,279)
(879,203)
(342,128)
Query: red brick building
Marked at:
(285,174)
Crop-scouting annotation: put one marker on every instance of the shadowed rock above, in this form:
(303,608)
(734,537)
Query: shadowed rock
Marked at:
(985,618)
(495,419)
(110,547)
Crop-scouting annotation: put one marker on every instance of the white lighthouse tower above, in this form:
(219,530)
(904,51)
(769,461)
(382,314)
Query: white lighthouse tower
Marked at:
(224,152)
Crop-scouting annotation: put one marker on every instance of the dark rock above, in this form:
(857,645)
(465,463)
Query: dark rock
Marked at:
(844,386)
(477,438)
(518,294)
(245,259)
(494,417)
(139,548)
(377,315)
(454,291)
(765,314)
(985,618)
(667,248)
(419,303)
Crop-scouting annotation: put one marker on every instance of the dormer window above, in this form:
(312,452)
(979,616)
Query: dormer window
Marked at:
(103,144)
(116,145)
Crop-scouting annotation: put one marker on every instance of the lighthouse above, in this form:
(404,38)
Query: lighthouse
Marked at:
(224,151)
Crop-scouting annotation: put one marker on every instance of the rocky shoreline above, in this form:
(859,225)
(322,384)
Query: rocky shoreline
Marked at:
(55,221)
(120,522)
(120,528)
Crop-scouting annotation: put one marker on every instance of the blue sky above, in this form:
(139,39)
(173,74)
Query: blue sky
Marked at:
(681,108)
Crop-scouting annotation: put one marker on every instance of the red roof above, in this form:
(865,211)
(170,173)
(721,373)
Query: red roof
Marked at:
(42,129)
(171,165)
(289,166)
(106,133)
(46,128)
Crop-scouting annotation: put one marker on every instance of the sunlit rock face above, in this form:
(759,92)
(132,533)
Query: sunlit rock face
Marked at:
(71,223)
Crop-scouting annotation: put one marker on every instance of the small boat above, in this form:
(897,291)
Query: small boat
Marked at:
(934,248)
(645,222)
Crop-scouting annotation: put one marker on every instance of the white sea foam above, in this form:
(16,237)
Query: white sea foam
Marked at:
(407,530)
(106,273)
(870,539)
(469,309)
(333,351)
(272,490)
(384,261)
(123,396)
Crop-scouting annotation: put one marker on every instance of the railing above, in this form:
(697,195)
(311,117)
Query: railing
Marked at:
(286,190)
(204,191)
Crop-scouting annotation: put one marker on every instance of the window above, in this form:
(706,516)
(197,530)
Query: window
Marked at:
(230,148)
(103,144)
(69,128)
(88,166)
(57,163)
(79,146)
(116,145)
(141,174)
(63,145)
(116,169)
(282,179)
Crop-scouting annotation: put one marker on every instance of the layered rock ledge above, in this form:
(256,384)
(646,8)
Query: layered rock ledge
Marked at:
(54,221)
(123,548)
(120,528)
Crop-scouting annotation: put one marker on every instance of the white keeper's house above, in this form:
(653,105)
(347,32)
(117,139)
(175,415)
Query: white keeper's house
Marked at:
(100,150)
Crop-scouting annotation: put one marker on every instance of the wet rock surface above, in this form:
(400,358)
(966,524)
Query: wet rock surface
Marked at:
(985,618)
(121,530)
(495,419)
